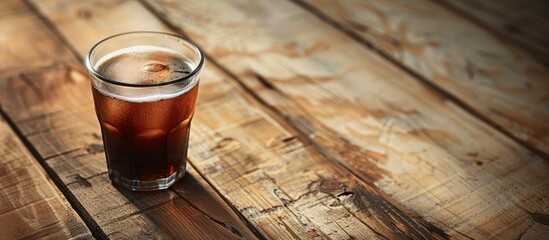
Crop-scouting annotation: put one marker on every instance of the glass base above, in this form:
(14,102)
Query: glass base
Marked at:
(151,185)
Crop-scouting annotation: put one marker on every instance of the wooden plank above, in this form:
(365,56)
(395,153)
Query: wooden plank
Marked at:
(279,183)
(499,82)
(428,154)
(52,107)
(522,21)
(32,206)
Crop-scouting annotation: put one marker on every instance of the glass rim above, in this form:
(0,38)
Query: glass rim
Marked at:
(92,70)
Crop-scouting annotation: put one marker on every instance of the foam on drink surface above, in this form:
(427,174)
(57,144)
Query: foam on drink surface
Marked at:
(144,65)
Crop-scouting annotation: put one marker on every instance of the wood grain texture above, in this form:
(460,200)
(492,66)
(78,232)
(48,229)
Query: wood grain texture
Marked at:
(277,181)
(522,21)
(52,107)
(491,76)
(432,157)
(31,205)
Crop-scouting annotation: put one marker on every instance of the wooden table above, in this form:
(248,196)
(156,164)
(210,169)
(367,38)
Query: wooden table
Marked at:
(316,119)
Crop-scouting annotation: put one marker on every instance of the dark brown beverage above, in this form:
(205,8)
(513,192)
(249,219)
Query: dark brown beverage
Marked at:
(146,136)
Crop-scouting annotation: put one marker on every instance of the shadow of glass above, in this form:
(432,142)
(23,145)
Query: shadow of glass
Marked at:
(189,209)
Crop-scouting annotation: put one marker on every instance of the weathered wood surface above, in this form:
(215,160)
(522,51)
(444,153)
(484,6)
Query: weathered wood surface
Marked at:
(31,205)
(277,181)
(432,157)
(523,21)
(284,97)
(501,83)
(51,106)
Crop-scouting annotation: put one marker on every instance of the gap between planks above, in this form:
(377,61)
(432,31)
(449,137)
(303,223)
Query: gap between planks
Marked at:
(446,94)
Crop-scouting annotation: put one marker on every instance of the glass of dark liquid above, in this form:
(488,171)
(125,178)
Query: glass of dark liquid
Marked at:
(144,88)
